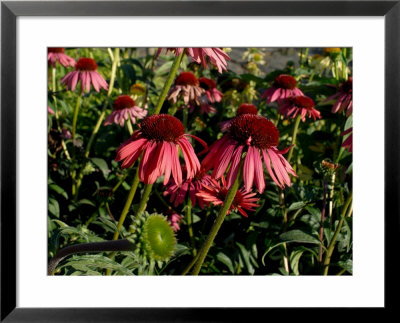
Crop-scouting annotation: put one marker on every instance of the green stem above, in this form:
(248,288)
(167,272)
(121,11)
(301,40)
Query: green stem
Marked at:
(331,246)
(189,223)
(168,83)
(143,201)
(217,224)
(75,118)
(295,130)
(114,65)
(129,126)
(185,116)
(151,267)
(128,203)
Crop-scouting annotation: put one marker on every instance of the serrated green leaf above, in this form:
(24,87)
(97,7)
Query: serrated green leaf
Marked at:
(96,261)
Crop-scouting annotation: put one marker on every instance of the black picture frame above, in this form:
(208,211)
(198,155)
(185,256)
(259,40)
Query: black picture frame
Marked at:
(10,10)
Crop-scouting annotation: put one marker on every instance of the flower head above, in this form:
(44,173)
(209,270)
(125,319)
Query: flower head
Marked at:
(299,105)
(159,139)
(124,108)
(256,136)
(216,194)
(187,87)
(284,86)
(192,186)
(174,219)
(216,56)
(86,73)
(56,55)
(244,108)
(344,98)
(210,86)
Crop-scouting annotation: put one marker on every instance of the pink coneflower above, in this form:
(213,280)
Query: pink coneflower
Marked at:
(187,87)
(56,55)
(124,107)
(86,73)
(215,55)
(159,138)
(299,105)
(216,194)
(210,86)
(256,136)
(348,142)
(174,219)
(244,108)
(194,185)
(284,86)
(344,98)
(50,110)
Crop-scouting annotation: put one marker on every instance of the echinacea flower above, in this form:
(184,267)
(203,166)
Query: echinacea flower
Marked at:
(200,54)
(216,194)
(192,186)
(284,86)
(56,55)
(244,108)
(344,98)
(159,139)
(299,105)
(174,219)
(257,136)
(210,86)
(348,142)
(124,108)
(187,87)
(86,73)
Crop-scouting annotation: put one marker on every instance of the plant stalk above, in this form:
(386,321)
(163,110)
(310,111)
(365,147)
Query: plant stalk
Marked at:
(217,224)
(295,130)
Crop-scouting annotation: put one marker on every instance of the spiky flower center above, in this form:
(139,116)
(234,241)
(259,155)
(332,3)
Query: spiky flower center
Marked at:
(187,78)
(207,84)
(237,201)
(246,108)
(123,102)
(162,127)
(285,81)
(55,50)
(347,86)
(254,130)
(86,64)
(302,102)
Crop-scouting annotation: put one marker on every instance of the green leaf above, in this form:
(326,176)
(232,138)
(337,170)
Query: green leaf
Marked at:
(296,206)
(226,261)
(298,236)
(294,261)
(102,165)
(245,255)
(94,262)
(58,190)
(54,208)
(348,265)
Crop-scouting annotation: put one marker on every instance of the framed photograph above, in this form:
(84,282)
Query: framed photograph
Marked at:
(198,160)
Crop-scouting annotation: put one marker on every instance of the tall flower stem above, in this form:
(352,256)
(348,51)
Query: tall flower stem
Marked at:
(75,117)
(168,83)
(145,198)
(294,135)
(189,223)
(128,203)
(54,89)
(332,244)
(115,61)
(217,224)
